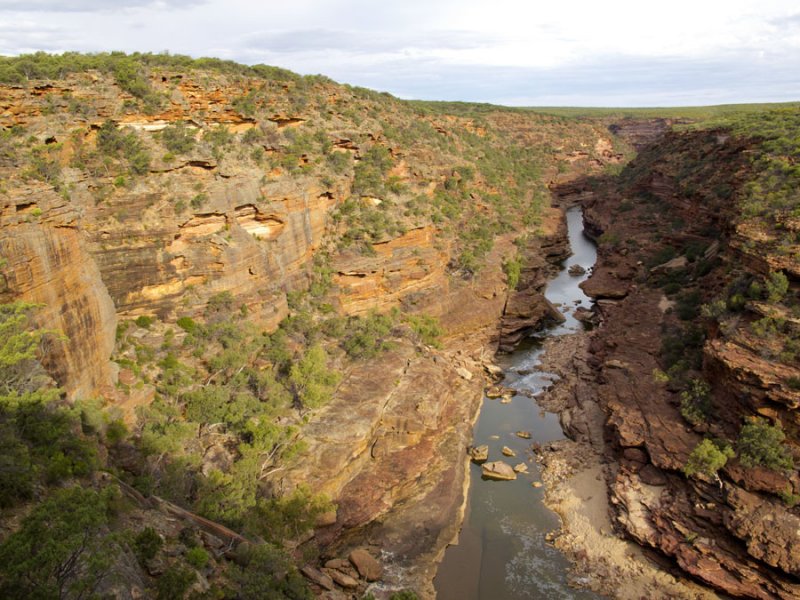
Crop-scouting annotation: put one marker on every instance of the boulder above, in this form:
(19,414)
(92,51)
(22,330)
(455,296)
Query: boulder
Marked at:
(494,392)
(337,563)
(366,565)
(316,576)
(478,454)
(342,579)
(675,264)
(576,270)
(636,455)
(521,468)
(464,373)
(525,435)
(508,451)
(498,471)
(652,476)
(493,370)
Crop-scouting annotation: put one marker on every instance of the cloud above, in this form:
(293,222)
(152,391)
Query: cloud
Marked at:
(361,42)
(69,6)
(612,80)
(787,22)
(23,36)
(513,52)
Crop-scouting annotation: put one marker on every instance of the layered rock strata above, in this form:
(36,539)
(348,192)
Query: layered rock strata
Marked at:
(738,536)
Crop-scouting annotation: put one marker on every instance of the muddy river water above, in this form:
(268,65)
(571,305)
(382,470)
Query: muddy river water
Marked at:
(502,553)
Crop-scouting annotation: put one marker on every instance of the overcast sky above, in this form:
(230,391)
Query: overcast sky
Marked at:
(518,52)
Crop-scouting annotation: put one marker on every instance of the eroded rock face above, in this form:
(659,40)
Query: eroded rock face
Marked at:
(527,309)
(738,537)
(47,263)
(390,452)
(771,532)
(252,240)
(389,449)
(402,266)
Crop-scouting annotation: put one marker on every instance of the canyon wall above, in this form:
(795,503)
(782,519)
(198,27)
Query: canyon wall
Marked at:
(222,217)
(673,238)
(282,199)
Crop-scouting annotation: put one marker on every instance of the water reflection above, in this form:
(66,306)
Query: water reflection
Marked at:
(502,553)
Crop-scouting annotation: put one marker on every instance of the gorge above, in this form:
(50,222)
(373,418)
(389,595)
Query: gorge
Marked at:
(258,314)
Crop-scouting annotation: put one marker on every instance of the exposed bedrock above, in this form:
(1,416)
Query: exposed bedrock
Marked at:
(47,262)
(738,535)
(527,309)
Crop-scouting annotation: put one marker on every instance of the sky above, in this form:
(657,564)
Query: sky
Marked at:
(513,52)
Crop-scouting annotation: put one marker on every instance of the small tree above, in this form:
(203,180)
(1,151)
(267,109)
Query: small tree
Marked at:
(695,402)
(311,382)
(20,371)
(61,550)
(268,574)
(762,444)
(776,286)
(707,458)
(178,138)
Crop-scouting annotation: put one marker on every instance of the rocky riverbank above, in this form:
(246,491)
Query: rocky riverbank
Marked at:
(391,445)
(575,473)
(679,295)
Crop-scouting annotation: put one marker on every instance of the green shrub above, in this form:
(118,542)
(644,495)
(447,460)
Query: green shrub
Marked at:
(339,161)
(197,557)
(187,324)
(365,337)
(220,404)
(144,321)
(289,516)
(147,544)
(370,171)
(776,287)
(760,443)
(110,140)
(174,583)
(695,402)
(268,573)
(707,458)
(62,549)
(404,595)
(788,496)
(45,165)
(688,305)
(793,383)
(426,328)
(116,432)
(178,138)
(512,268)
(311,382)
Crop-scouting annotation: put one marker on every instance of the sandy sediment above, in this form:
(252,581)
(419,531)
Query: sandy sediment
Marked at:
(575,473)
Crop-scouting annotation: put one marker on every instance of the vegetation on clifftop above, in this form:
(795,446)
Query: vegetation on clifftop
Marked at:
(143,143)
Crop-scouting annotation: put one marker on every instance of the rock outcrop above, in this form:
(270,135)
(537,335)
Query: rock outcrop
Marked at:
(48,262)
(254,211)
(738,536)
(527,309)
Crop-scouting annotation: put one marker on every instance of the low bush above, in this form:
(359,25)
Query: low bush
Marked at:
(760,443)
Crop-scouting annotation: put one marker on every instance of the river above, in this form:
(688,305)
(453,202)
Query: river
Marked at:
(501,552)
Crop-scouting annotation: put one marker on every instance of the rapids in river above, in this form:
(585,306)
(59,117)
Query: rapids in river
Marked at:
(502,553)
